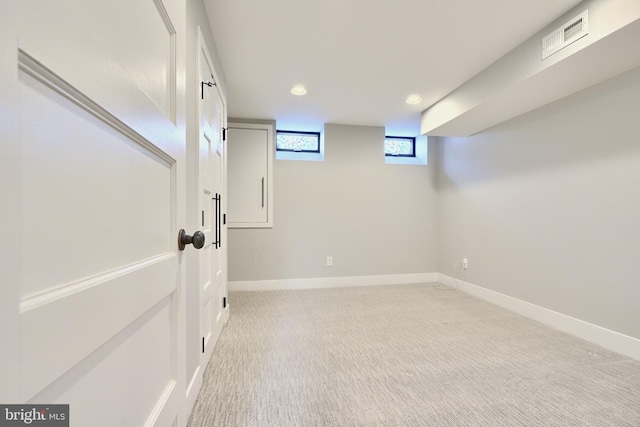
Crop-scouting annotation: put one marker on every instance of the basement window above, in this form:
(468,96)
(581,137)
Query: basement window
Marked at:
(410,150)
(399,146)
(298,142)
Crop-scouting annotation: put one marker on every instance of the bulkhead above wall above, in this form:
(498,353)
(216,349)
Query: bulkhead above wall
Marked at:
(527,78)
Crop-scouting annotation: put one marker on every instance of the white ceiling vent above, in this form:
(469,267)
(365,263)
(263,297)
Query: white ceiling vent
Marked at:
(573,30)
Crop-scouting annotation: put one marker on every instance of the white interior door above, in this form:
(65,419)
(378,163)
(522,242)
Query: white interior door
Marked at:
(211,178)
(101,130)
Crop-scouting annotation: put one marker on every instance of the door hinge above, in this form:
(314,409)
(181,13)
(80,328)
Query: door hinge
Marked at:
(224,134)
(224,302)
(203,344)
(202,85)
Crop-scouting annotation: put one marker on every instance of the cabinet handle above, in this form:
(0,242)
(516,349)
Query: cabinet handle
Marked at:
(219,218)
(263,191)
(215,222)
(217,239)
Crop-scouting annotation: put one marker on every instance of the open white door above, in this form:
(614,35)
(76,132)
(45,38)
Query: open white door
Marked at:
(101,132)
(211,261)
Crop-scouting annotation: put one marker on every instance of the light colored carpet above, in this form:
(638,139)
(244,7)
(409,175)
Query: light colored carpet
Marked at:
(407,355)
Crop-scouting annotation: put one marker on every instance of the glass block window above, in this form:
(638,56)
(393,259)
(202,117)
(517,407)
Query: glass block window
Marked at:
(402,146)
(301,142)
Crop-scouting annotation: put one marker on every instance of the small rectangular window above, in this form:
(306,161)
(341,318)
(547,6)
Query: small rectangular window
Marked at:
(299,142)
(399,146)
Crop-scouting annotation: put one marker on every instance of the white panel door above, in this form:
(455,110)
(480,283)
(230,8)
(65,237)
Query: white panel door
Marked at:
(101,127)
(211,174)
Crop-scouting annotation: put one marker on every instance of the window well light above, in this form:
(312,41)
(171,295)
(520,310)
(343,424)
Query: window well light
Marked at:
(299,90)
(413,99)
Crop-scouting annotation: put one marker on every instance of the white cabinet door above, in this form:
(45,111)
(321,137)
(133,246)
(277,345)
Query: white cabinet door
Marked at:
(211,265)
(101,132)
(250,175)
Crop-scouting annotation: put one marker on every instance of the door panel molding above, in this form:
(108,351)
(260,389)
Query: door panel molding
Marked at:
(172,89)
(52,339)
(53,294)
(160,416)
(104,78)
(144,394)
(35,69)
(77,248)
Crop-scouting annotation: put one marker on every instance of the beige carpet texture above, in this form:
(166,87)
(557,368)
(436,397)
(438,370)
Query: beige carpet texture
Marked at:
(406,355)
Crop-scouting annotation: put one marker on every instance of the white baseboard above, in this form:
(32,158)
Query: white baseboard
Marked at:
(332,282)
(606,338)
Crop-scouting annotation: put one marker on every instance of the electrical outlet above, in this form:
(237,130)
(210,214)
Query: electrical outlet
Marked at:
(329,261)
(465,263)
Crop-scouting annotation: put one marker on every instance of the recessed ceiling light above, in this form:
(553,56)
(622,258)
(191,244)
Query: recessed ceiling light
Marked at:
(413,99)
(299,90)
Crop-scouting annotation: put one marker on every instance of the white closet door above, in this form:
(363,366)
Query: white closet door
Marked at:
(212,292)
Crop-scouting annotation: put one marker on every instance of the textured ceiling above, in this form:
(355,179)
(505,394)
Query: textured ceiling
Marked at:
(360,59)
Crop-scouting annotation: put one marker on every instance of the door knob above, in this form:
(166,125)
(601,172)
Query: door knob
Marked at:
(184,239)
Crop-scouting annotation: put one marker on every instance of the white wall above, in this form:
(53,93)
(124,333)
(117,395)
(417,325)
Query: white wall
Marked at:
(11,226)
(547,206)
(373,218)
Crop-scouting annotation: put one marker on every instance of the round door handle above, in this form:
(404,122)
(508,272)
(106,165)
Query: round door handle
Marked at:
(184,239)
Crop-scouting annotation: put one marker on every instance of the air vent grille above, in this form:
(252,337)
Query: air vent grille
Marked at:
(573,30)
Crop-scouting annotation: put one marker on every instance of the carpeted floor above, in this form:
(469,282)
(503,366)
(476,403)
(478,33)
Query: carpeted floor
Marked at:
(407,355)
